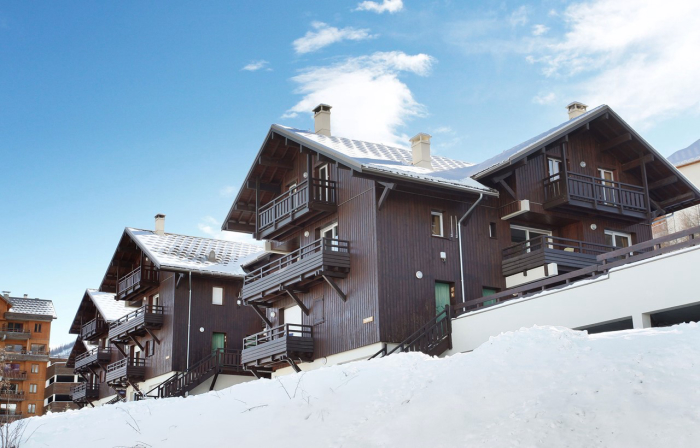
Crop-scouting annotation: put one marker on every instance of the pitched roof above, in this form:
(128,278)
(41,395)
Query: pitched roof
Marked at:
(686,156)
(388,160)
(25,305)
(191,253)
(110,309)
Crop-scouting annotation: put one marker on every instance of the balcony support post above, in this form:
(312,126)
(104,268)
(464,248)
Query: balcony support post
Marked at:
(261,314)
(646,183)
(565,179)
(120,349)
(298,301)
(136,342)
(335,287)
(293,365)
(148,330)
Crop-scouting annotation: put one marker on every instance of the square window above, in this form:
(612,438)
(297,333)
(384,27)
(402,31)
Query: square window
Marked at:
(37,328)
(35,368)
(217,296)
(31,408)
(32,388)
(436,224)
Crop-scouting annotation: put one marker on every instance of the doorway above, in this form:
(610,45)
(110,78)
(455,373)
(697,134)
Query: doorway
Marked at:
(218,341)
(292,315)
(443,296)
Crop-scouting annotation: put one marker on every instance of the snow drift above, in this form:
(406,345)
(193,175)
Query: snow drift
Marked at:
(543,387)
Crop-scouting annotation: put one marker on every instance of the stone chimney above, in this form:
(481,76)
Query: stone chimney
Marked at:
(322,120)
(575,109)
(420,147)
(160,224)
(6,294)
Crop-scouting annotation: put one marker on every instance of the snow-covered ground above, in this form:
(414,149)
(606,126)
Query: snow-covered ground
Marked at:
(537,387)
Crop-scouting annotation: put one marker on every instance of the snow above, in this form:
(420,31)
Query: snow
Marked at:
(542,386)
(110,308)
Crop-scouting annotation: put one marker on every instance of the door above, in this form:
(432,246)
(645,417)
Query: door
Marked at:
(293,200)
(323,177)
(442,296)
(292,315)
(218,341)
(618,239)
(520,234)
(331,233)
(607,193)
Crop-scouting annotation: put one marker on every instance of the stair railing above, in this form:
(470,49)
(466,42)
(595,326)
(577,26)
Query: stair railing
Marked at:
(426,337)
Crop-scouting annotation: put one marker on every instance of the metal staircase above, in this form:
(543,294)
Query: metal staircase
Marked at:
(433,338)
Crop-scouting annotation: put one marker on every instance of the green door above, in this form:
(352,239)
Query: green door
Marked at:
(442,296)
(218,340)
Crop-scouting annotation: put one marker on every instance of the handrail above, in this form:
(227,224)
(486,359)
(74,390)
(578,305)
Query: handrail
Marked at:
(146,309)
(601,191)
(177,383)
(13,374)
(5,329)
(556,243)
(440,324)
(126,362)
(92,352)
(326,245)
(313,190)
(12,394)
(137,276)
(292,330)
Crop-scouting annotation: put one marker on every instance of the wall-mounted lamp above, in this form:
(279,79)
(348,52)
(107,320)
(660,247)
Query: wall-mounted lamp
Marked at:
(583,164)
(419,274)
(273,314)
(306,234)
(238,302)
(305,174)
(593,226)
(201,329)
(443,256)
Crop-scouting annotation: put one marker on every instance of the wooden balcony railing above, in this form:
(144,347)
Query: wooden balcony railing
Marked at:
(295,203)
(126,369)
(93,357)
(278,345)
(302,265)
(12,395)
(596,193)
(140,278)
(6,415)
(84,391)
(93,328)
(27,355)
(13,375)
(136,322)
(14,333)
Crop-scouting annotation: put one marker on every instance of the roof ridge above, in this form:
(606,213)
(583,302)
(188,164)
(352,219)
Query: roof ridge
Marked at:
(198,237)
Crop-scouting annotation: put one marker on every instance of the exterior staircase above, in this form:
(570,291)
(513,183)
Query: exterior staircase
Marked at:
(433,338)
(220,361)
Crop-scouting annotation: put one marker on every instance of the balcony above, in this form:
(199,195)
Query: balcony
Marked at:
(309,200)
(137,282)
(93,329)
(324,258)
(284,344)
(532,259)
(12,395)
(7,333)
(92,358)
(84,392)
(26,355)
(9,416)
(14,375)
(125,371)
(595,193)
(137,323)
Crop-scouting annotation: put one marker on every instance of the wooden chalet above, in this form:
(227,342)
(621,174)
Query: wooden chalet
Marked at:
(371,246)
(133,333)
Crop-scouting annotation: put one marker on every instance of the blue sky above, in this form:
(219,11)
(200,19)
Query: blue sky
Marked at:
(113,112)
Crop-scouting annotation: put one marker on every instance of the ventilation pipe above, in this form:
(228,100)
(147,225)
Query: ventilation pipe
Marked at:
(576,109)
(160,224)
(322,120)
(459,241)
(420,149)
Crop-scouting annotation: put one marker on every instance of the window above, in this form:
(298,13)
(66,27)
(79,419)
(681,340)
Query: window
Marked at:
(147,348)
(331,233)
(492,230)
(323,178)
(13,348)
(217,296)
(618,239)
(554,168)
(38,348)
(37,328)
(32,388)
(31,408)
(488,291)
(436,223)
(520,234)
(607,190)
(15,327)
(9,408)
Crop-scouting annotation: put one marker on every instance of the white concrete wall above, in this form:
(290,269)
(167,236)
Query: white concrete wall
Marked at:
(222,382)
(357,354)
(657,284)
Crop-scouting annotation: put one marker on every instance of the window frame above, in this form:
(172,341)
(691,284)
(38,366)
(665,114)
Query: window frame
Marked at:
(618,233)
(442,223)
(213,289)
(33,388)
(493,230)
(37,327)
(556,161)
(35,368)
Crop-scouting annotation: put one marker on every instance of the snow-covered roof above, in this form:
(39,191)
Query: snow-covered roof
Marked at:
(388,160)
(110,309)
(191,253)
(528,145)
(25,305)
(686,156)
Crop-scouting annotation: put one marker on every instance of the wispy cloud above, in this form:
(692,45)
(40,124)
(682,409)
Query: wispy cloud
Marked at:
(324,35)
(545,98)
(211,228)
(519,16)
(256,65)
(539,30)
(369,100)
(390,6)
(639,57)
(227,191)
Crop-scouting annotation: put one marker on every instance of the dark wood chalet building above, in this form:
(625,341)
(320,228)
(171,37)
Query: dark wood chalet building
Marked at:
(166,321)
(368,243)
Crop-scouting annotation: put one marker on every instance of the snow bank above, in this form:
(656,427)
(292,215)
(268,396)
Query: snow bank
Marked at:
(543,387)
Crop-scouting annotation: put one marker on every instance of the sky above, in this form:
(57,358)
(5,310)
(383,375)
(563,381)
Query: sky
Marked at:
(111,112)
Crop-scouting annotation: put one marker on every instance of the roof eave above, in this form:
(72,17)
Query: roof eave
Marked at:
(446,184)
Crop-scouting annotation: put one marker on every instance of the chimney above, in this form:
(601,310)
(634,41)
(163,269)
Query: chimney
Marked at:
(26,296)
(420,147)
(160,224)
(575,109)
(6,294)
(322,120)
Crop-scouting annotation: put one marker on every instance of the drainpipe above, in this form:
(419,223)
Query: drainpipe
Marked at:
(459,239)
(189,321)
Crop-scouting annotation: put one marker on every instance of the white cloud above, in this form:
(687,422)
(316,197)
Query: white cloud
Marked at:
(227,191)
(639,57)
(325,35)
(256,65)
(539,30)
(211,228)
(369,101)
(390,6)
(545,98)
(519,16)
